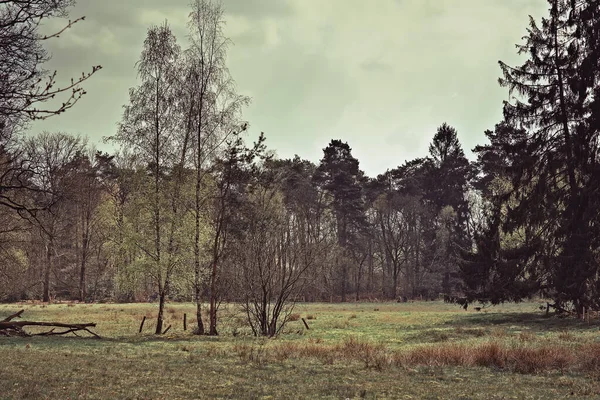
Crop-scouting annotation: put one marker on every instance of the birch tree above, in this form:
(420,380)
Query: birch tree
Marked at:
(214,111)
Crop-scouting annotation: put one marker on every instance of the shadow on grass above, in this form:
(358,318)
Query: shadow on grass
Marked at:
(94,344)
(537,322)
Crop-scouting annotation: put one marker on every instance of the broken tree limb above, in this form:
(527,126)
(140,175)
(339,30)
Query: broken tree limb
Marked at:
(13,316)
(15,328)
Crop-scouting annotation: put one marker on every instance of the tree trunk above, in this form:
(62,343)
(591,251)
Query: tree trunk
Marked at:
(161,308)
(82,269)
(344,277)
(197,299)
(564,114)
(395,283)
(383,282)
(213,301)
(197,283)
(49,267)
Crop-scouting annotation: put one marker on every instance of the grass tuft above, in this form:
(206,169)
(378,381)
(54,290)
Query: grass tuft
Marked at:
(294,317)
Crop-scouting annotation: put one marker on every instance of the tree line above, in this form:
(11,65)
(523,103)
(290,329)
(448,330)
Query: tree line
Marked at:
(193,208)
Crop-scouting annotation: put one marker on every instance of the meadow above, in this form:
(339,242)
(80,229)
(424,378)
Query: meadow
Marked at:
(420,350)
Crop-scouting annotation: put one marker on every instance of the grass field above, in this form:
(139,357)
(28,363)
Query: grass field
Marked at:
(421,350)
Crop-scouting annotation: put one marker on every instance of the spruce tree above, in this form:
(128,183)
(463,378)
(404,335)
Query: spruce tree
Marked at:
(550,211)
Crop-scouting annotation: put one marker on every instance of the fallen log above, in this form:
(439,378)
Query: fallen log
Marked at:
(8,327)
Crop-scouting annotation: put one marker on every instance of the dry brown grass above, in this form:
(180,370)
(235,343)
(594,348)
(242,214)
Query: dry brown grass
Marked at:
(172,311)
(521,357)
(527,337)
(498,332)
(294,317)
(566,336)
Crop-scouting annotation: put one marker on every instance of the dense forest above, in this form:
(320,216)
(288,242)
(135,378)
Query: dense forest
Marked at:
(194,206)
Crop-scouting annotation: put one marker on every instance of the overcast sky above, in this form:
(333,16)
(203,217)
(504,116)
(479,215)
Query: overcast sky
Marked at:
(380,74)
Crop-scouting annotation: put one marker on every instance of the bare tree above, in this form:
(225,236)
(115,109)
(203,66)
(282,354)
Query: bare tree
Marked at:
(16,278)
(277,250)
(25,87)
(393,234)
(214,113)
(24,84)
(86,182)
(51,155)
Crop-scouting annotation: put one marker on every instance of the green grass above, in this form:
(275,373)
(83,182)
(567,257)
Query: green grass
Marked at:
(422,350)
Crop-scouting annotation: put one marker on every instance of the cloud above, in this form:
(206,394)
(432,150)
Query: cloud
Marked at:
(375,66)
(257,9)
(381,75)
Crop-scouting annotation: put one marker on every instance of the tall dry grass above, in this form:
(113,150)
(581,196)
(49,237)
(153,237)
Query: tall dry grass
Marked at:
(522,357)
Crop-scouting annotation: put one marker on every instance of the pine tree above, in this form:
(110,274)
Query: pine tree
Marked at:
(446,188)
(550,211)
(339,175)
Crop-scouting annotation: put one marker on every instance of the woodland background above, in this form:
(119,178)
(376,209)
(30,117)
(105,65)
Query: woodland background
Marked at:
(195,207)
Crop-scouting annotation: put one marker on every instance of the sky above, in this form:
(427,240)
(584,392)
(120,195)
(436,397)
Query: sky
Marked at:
(380,74)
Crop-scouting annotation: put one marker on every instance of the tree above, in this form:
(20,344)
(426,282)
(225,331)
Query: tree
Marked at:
(452,172)
(24,83)
(24,88)
(150,127)
(338,174)
(491,271)
(213,116)
(87,178)
(393,234)
(446,188)
(305,206)
(232,173)
(275,252)
(280,244)
(548,216)
(51,156)
(120,210)
(406,230)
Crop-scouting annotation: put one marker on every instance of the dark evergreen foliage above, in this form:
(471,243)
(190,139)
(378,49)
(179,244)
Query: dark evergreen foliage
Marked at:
(546,153)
